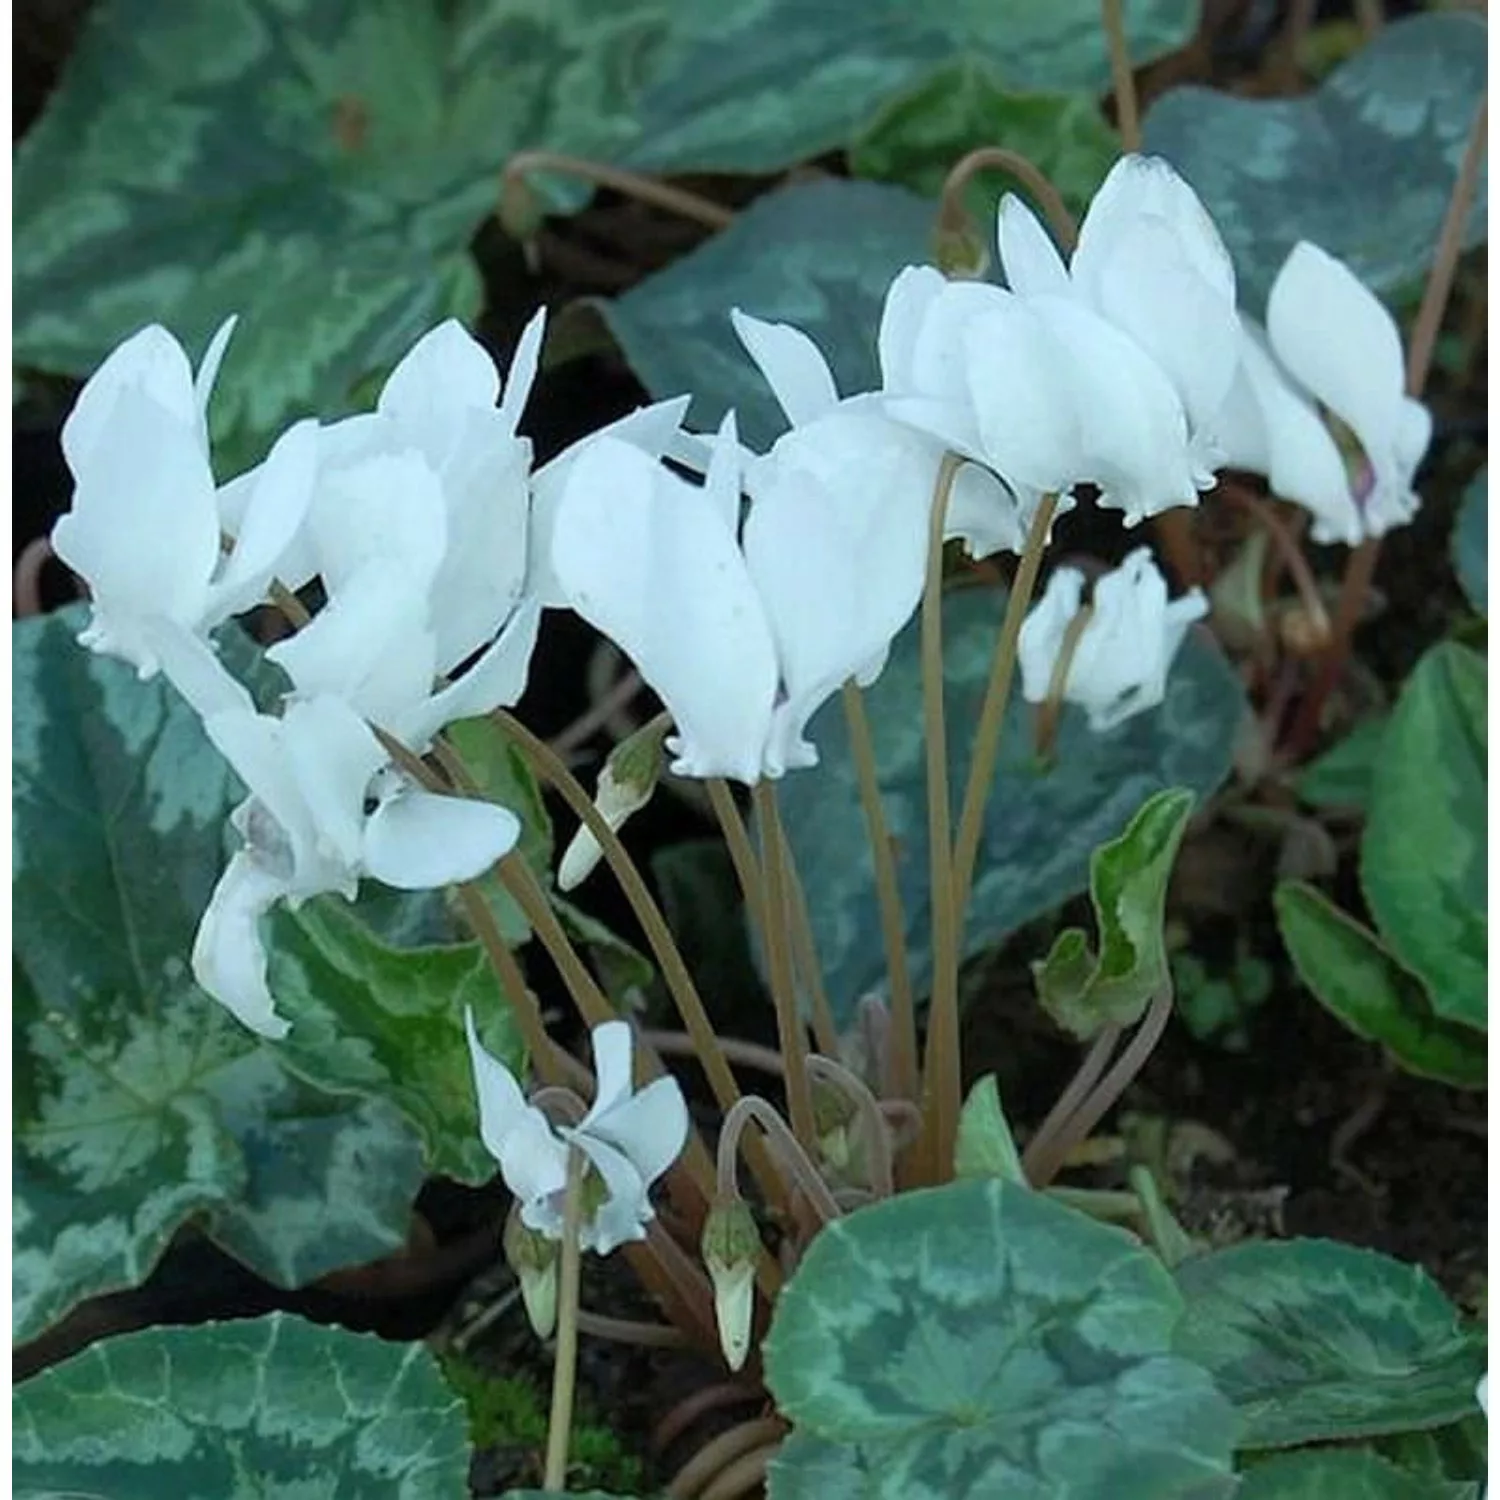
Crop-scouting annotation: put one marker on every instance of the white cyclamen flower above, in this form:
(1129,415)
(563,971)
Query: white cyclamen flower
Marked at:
(1329,341)
(629,1138)
(324,809)
(1124,652)
(145,524)
(1105,372)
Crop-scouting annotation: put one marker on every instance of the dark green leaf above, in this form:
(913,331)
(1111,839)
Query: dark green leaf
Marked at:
(701,900)
(817,254)
(985,1146)
(1315,1341)
(964,1339)
(1363,166)
(1423,859)
(1342,1475)
(1042,823)
(139,1102)
(318,167)
(755,87)
(625,973)
(1341,776)
(387,1022)
(1128,879)
(270,1409)
(1352,974)
(965,104)
(1471,542)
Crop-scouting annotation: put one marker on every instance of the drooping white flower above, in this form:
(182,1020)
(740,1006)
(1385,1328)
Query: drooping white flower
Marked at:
(324,809)
(1328,341)
(1123,654)
(630,1138)
(1150,261)
(145,523)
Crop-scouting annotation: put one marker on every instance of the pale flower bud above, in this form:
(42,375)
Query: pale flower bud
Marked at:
(533,1257)
(730,1245)
(625,786)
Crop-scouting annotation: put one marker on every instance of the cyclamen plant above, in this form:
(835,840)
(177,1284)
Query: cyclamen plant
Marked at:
(1122,375)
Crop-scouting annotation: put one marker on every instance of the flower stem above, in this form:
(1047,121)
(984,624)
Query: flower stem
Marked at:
(953,215)
(646,189)
(805,949)
(992,714)
(550,768)
(903,1081)
(741,851)
(941,1078)
(1359,571)
(565,1367)
(1123,75)
(799,1162)
(779,960)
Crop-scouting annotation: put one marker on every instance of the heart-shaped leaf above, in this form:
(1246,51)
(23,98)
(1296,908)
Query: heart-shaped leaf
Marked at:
(268,1409)
(1345,965)
(1363,166)
(963,1341)
(1354,1474)
(1315,1341)
(1083,991)
(1428,893)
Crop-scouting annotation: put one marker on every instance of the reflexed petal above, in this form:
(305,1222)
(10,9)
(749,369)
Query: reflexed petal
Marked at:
(1334,336)
(1043,630)
(984,514)
(645,558)
(254,744)
(496,680)
(1024,394)
(501,1102)
(208,368)
(652,429)
(388,507)
(651,1128)
(143,529)
(792,364)
(370,644)
(907,302)
(332,754)
(229,959)
(192,667)
(939,365)
(626,1210)
(523,368)
(274,512)
(417,841)
(1030,260)
(611,1047)
(1303,463)
(150,363)
(440,380)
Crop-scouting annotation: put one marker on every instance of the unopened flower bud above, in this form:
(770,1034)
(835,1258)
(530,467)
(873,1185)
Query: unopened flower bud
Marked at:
(533,1257)
(960,251)
(625,786)
(730,1245)
(833,1114)
(521,212)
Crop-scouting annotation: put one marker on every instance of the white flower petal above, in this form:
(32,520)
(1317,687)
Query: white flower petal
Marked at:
(1043,629)
(984,514)
(1334,336)
(650,1128)
(645,558)
(523,368)
(907,303)
(229,959)
(626,1210)
(332,755)
(208,367)
(793,366)
(417,841)
(611,1044)
(274,512)
(443,376)
(193,668)
(1032,263)
(151,363)
(497,679)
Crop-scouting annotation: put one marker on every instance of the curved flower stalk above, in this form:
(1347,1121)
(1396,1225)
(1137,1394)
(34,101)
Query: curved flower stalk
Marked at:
(146,518)
(629,1139)
(324,809)
(1122,656)
(1108,371)
(1328,342)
